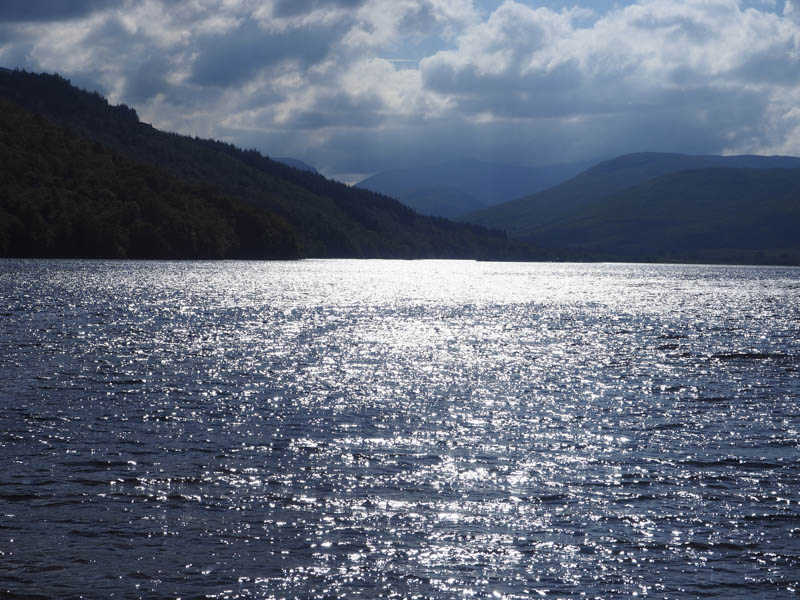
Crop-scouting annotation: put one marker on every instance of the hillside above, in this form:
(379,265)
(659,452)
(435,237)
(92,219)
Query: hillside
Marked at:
(63,196)
(326,218)
(528,216)
(740,215)
(440,201)
(461,186)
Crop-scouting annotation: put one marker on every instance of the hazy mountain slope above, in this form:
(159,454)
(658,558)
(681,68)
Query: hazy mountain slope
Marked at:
(440,201)
(488,183)
(329,219)
(720,214)
(65,196)
(525,216)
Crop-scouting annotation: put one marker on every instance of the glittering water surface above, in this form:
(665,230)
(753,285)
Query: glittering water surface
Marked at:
(336,429)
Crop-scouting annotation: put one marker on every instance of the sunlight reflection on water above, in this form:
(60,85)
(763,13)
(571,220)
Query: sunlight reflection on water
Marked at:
(399,429)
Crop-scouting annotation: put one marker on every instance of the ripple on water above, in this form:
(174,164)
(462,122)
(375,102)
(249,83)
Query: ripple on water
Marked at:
(398,429)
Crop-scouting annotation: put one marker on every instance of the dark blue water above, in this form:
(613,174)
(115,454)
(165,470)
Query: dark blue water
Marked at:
(346,429)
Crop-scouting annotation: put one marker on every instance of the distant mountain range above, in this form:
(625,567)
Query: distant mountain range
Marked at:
(657,206)
(83,178)
(458,187)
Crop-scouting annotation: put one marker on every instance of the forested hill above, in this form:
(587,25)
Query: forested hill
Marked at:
(530,215)
(65,196)
(295,208)
(720,215)
(665,207)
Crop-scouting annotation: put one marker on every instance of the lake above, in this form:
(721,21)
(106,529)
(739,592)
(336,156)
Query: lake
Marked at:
(398,429)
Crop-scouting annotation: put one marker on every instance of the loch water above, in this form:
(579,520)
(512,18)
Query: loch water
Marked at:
(398,429)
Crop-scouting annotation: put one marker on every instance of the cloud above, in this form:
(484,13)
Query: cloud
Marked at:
(791,10)
(49,10)
(233,58)
(361,85)
(293,8)
(701,65)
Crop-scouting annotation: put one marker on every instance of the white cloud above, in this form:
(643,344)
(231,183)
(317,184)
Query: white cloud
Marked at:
(704,64)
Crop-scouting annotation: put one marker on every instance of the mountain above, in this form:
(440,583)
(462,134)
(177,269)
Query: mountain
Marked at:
(295,163)
(324,218)
(457,187)
(64,196)
(529,216)
(742,215)
(440,201)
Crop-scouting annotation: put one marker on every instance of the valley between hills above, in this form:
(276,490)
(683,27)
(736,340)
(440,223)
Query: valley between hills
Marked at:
(84,179)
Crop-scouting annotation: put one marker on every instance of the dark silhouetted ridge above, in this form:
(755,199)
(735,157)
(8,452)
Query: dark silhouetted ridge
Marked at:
(65,196)
(326,218)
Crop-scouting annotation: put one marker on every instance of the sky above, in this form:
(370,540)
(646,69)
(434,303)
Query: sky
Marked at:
(354,87)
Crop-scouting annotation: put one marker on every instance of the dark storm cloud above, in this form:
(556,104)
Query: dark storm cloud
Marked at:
(770,66)
(144,72)
(146,80)
(17,47)
(292,8)
(50,10)
(9,34)
(340,109)
(557,90)
(238,55)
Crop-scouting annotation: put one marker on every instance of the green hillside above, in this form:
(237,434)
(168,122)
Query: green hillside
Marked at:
(705,215)
(326,218)
(63,196)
